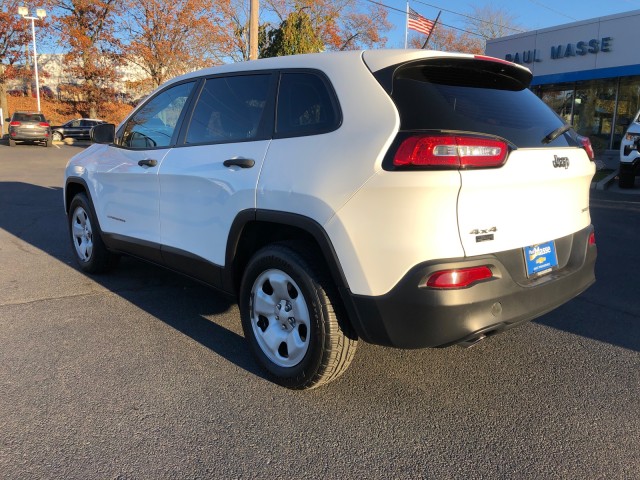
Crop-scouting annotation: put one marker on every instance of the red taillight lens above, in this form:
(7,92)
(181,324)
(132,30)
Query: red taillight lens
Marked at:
(586,144)
(15,124)
(43,124)
(592,238)
(492,59)
(447,151)
(459,277)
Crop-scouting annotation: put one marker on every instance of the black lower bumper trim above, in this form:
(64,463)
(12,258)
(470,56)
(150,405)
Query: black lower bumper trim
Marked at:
(413,317)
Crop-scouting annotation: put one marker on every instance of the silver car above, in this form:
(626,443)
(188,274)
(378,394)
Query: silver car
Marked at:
(29,127)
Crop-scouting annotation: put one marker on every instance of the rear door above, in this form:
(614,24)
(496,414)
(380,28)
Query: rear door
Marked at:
(212,176)
(540,192)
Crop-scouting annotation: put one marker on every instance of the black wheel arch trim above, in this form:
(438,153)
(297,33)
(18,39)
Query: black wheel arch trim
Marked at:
(301,222)
(312,228)
(87,192)
(78,181)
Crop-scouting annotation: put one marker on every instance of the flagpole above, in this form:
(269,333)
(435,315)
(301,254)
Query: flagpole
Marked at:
(431,31)
(406,26)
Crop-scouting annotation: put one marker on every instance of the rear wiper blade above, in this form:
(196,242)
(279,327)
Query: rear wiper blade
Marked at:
(556,133)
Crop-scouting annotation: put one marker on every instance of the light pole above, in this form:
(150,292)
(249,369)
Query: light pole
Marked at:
(40,14)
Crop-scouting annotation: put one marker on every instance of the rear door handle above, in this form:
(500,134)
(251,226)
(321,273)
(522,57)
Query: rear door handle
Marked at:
(239,162)
(148,162)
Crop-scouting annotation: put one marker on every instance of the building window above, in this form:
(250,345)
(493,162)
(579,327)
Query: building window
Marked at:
(628,106)
(593,110)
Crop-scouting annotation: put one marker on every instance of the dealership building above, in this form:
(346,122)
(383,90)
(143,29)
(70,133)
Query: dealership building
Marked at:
(588,72)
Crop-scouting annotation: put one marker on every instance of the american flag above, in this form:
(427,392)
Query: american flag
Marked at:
(418,23)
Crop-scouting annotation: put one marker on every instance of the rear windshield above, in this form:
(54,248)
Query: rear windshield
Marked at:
(474,96)
(29,117)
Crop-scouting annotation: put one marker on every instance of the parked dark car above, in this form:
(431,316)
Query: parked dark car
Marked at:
(79,129)
(29,127)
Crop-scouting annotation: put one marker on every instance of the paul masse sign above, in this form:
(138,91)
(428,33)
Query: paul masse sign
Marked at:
(596,48)
(582,47)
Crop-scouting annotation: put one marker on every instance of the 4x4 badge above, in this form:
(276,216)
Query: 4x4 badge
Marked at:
(560,162)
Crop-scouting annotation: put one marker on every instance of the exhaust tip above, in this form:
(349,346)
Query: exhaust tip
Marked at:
(473,341)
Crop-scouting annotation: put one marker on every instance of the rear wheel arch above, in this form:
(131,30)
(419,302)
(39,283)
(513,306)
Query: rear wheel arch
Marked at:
(254,229)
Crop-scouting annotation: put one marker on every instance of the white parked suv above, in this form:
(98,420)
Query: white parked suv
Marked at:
(405,198)
(630,155)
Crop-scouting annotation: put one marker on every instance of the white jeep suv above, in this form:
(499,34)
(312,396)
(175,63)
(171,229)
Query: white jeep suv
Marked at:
(405,198)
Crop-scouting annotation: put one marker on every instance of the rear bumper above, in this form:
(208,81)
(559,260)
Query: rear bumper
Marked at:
(29,134)
(413,317)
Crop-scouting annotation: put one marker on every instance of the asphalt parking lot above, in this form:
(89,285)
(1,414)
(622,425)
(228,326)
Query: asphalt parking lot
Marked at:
(144,374)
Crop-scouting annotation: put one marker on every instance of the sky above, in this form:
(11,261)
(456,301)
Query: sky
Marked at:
(528,14)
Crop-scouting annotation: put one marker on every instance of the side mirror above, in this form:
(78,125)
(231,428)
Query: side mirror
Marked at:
(103,133)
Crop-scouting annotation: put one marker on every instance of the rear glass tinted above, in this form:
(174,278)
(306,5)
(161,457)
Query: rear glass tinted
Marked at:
(306,105)
(473,96)
(29,117)
(230,109)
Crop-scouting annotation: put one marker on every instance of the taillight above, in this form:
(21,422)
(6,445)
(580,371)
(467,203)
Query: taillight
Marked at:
(592,238)
(458,277)
(586,144)
(43,124)
(449,151)
(15,123)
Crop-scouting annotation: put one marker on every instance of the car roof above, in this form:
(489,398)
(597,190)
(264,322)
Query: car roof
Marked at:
(374,59)
(383,58)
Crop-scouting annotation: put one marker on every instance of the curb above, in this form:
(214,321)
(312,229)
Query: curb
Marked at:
(605,182)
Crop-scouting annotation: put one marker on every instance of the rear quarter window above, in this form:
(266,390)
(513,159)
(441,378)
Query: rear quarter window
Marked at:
(473,96)
(307,105)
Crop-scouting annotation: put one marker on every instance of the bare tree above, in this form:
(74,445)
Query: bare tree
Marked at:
(492,22)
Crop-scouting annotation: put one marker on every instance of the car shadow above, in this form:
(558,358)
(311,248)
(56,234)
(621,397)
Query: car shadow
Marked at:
(609,310)
(36,216)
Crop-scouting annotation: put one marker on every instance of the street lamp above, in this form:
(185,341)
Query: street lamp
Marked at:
(40,14)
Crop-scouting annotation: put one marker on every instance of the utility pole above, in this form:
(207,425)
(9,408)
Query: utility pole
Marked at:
(253,30)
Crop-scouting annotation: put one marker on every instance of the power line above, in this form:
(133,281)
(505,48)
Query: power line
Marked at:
(540,4)
(470,17)
(439,23)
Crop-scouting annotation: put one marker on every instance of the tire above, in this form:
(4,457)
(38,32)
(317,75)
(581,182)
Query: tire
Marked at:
(48,143)
(89,249)
(313,344)
(12,143)
(57,136)
(626,180)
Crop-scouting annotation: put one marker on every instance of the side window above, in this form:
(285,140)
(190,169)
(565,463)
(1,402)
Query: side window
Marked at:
(229,109)
(74,123)
(154,124)
(306,106)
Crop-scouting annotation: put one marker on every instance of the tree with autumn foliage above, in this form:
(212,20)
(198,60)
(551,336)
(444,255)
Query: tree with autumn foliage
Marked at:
(342,25)
(88,28)
(172,38)
(14,35)
(304,26)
